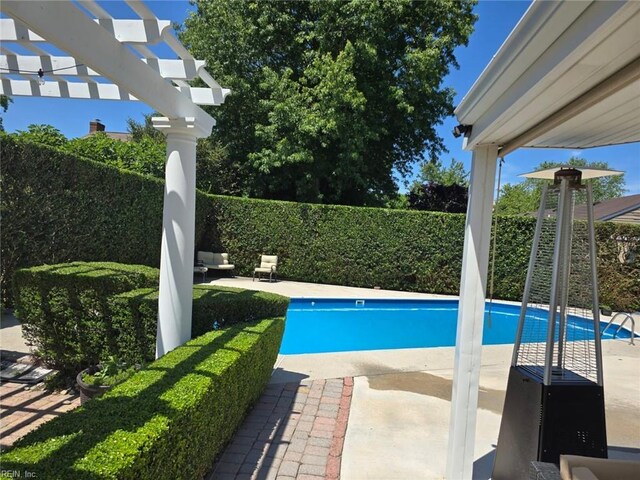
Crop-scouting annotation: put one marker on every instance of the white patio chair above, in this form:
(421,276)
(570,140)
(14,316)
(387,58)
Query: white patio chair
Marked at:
(268,264)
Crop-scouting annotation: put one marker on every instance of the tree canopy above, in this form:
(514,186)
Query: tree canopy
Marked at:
(215,173)
(329,98)
(439,188)
(435,172)
(524,197)
(437,197)
(145,156)
(45,134)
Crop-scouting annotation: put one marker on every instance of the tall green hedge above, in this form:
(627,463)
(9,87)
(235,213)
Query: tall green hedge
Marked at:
(403,250)
(168,421)
(59,208)
(135,315)
(65,313)
(364,247)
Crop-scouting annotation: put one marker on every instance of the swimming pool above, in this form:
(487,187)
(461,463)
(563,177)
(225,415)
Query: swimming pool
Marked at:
(342,325)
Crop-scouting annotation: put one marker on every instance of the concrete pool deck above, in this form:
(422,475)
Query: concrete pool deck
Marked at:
(399,413)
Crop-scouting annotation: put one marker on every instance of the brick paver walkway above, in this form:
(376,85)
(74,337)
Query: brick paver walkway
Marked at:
(295,431)
(24,407)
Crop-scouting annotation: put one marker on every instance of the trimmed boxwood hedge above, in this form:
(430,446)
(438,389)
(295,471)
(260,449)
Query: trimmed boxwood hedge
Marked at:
(79,313)
(59,208)
(168,421)
(64,309)
(135,315)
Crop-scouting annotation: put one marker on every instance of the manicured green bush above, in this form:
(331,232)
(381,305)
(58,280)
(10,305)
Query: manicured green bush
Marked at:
(619,282)
(135,315)
(64,312)
(168,421)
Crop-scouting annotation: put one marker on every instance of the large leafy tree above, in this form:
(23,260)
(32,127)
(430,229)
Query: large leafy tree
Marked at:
(524,197)
(146,155)
(45,134)
(329,97)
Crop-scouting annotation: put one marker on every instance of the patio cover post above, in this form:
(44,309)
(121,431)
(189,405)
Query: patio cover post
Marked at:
(475,259)
(178,231)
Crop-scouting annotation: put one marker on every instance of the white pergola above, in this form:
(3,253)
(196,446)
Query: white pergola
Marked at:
(112,59)
(568,76)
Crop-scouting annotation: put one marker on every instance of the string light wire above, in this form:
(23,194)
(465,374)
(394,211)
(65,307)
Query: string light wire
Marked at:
(40,71)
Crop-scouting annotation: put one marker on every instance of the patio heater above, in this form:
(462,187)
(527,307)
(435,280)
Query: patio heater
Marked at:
(555,399)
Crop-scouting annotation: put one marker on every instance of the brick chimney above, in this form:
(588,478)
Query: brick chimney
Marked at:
(96,126)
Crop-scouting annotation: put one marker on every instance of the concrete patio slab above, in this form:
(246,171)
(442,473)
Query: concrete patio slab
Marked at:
(12,343)
(315,290)
(399,419)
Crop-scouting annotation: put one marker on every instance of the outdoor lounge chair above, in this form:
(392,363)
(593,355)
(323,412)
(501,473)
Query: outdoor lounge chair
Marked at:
(214,261)
(268,264)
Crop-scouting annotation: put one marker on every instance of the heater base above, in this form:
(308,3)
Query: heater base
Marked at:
(540,422)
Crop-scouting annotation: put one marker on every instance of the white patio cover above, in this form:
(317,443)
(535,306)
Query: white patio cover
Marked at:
(566,77)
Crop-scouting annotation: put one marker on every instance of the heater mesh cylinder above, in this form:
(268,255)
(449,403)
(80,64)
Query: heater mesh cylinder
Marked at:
(573,347)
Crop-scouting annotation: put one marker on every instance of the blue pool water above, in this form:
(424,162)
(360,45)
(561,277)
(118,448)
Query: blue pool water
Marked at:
(341,325)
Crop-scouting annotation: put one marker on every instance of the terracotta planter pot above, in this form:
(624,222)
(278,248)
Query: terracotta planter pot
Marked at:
(87,392)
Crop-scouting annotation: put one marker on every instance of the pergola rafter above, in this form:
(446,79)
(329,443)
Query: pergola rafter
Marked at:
(125,31)
(110,59)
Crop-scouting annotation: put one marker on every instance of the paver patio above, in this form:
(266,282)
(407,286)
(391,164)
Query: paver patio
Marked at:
(295,431)
(23,409)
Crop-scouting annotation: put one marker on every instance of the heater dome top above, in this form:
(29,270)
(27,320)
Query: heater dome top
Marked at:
(587,172)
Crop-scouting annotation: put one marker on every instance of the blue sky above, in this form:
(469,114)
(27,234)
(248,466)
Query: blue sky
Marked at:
(496,20)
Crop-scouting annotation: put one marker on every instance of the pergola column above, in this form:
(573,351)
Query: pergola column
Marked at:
(475,260)
(178,231)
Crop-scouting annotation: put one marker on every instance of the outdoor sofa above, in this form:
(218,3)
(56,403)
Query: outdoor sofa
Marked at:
(214,261)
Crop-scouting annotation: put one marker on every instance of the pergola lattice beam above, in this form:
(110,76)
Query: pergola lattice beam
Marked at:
(96,91)
(125,31)
(65,26)
(78,90)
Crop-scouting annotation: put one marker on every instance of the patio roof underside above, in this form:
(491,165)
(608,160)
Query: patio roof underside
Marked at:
(568,76)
